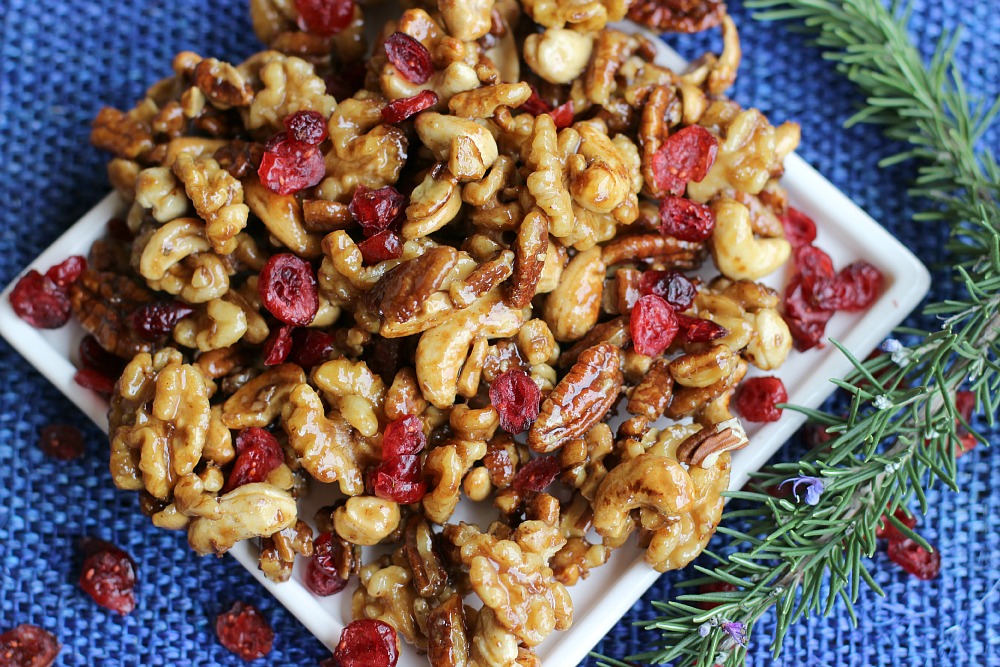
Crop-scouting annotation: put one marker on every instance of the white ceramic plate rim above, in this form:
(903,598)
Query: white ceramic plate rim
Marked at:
(907,282)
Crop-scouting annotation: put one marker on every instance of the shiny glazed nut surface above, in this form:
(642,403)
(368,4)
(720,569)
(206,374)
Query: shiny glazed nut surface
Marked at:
(468,227)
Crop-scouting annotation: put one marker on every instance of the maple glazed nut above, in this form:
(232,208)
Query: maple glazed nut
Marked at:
(428,273)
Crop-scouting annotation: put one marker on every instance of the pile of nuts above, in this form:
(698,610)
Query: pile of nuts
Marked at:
(433,273)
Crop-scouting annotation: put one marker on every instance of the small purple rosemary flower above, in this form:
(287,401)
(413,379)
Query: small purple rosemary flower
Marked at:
(814,488)
(737,631)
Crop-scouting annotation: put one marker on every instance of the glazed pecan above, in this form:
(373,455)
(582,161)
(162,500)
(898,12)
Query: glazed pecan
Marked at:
(652,395)
(222,84)
(103,303)
(580,400)
(614,332)
(447,635)
(727,436)
(429,575)
(672,252)
(398,295)
(529,258)
(678,15)
(121,134)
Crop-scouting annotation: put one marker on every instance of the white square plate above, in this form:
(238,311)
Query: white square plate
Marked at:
(845,231)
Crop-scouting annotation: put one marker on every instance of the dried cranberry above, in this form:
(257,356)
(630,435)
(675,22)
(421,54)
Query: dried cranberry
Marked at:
(258,455)
(536,474)
(535,105)
(96,358)
(758,398)
(799,228)
(715,587)
(288,166)
(697,330)
(157,319)
(685,219)
(367,643)
(403,436)
(806,322)
(516,398)
(376,210)
(306,127)
(653,325)
(399,479)
(311,347)
(562,115)
(812,266)
(913,558)
(887,531)
(244,631)
(40,302)
(61,441)
(410,57)
(855,288)
(28,646)
(399,110)
(96,381)
(278,345)
(322,574)
(686,155)
(381,247)
(108,576)
(673,286)
(347,80)
(287,286)
(67,271)
(965,401)
(324,17)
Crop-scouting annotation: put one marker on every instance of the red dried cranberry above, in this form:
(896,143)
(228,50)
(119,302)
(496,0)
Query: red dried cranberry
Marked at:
(855,288)
(311,347)
(28,646)
(40,302)
(806,322)
(108,576)
(536,474)
(697,330)
(98,382)
(887,531)
(562,115)
(399,479)
(157,319)
(403,436)
(965,401)
(516,398)
(716,587)
(685,219)
(410,57)
(244,631)
(653,325)
(367,643)
(812,266)
(758,398)
(673,286)
(96,358)
(913,558)
(686,155)
(376,210)
(322,575)
(535,105)
(287,286)
(67,271)
(61,441)
(288,166)
(381,247)
(259,454)
(324,17)
(799,228)
(278,346)
(306,127)
(399,110)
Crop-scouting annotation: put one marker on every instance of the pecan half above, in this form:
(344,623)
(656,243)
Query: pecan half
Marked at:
(429,575)
(487,276)
(398,295)
(633,247)
(529,258)
(678,15)
(447,637)
(580,400)
(103,303)
(322,216)
(222,84)
(652,395)
(615,332)
(727,436)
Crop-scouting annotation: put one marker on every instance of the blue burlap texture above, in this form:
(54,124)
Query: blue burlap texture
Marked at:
(61,60)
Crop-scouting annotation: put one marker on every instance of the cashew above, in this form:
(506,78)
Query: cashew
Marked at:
(467,146)
(252,510)
(735,250)
(572,308)
(159,191)
(282,215)
(433,204)
(366,520)
(170,244)
(558,55)
(769,348)
(467,20)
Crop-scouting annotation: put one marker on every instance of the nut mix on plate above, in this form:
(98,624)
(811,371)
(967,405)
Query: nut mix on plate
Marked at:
(438,272)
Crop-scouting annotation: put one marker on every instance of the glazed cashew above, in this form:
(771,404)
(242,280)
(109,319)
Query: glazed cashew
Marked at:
(366,520)
(572,308)
(433,204)
(772,339)
(443,349)
(737,253)
(159,191)
(655,483)
(446,466)
(249,511)
(467,20)
(282,215)
(558,55)
(170,244)
(467,146)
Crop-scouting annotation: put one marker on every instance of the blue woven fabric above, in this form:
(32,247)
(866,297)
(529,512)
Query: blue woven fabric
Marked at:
(60,60)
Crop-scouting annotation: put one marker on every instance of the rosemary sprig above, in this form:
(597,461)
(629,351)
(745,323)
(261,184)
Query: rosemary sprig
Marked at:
(900,433)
